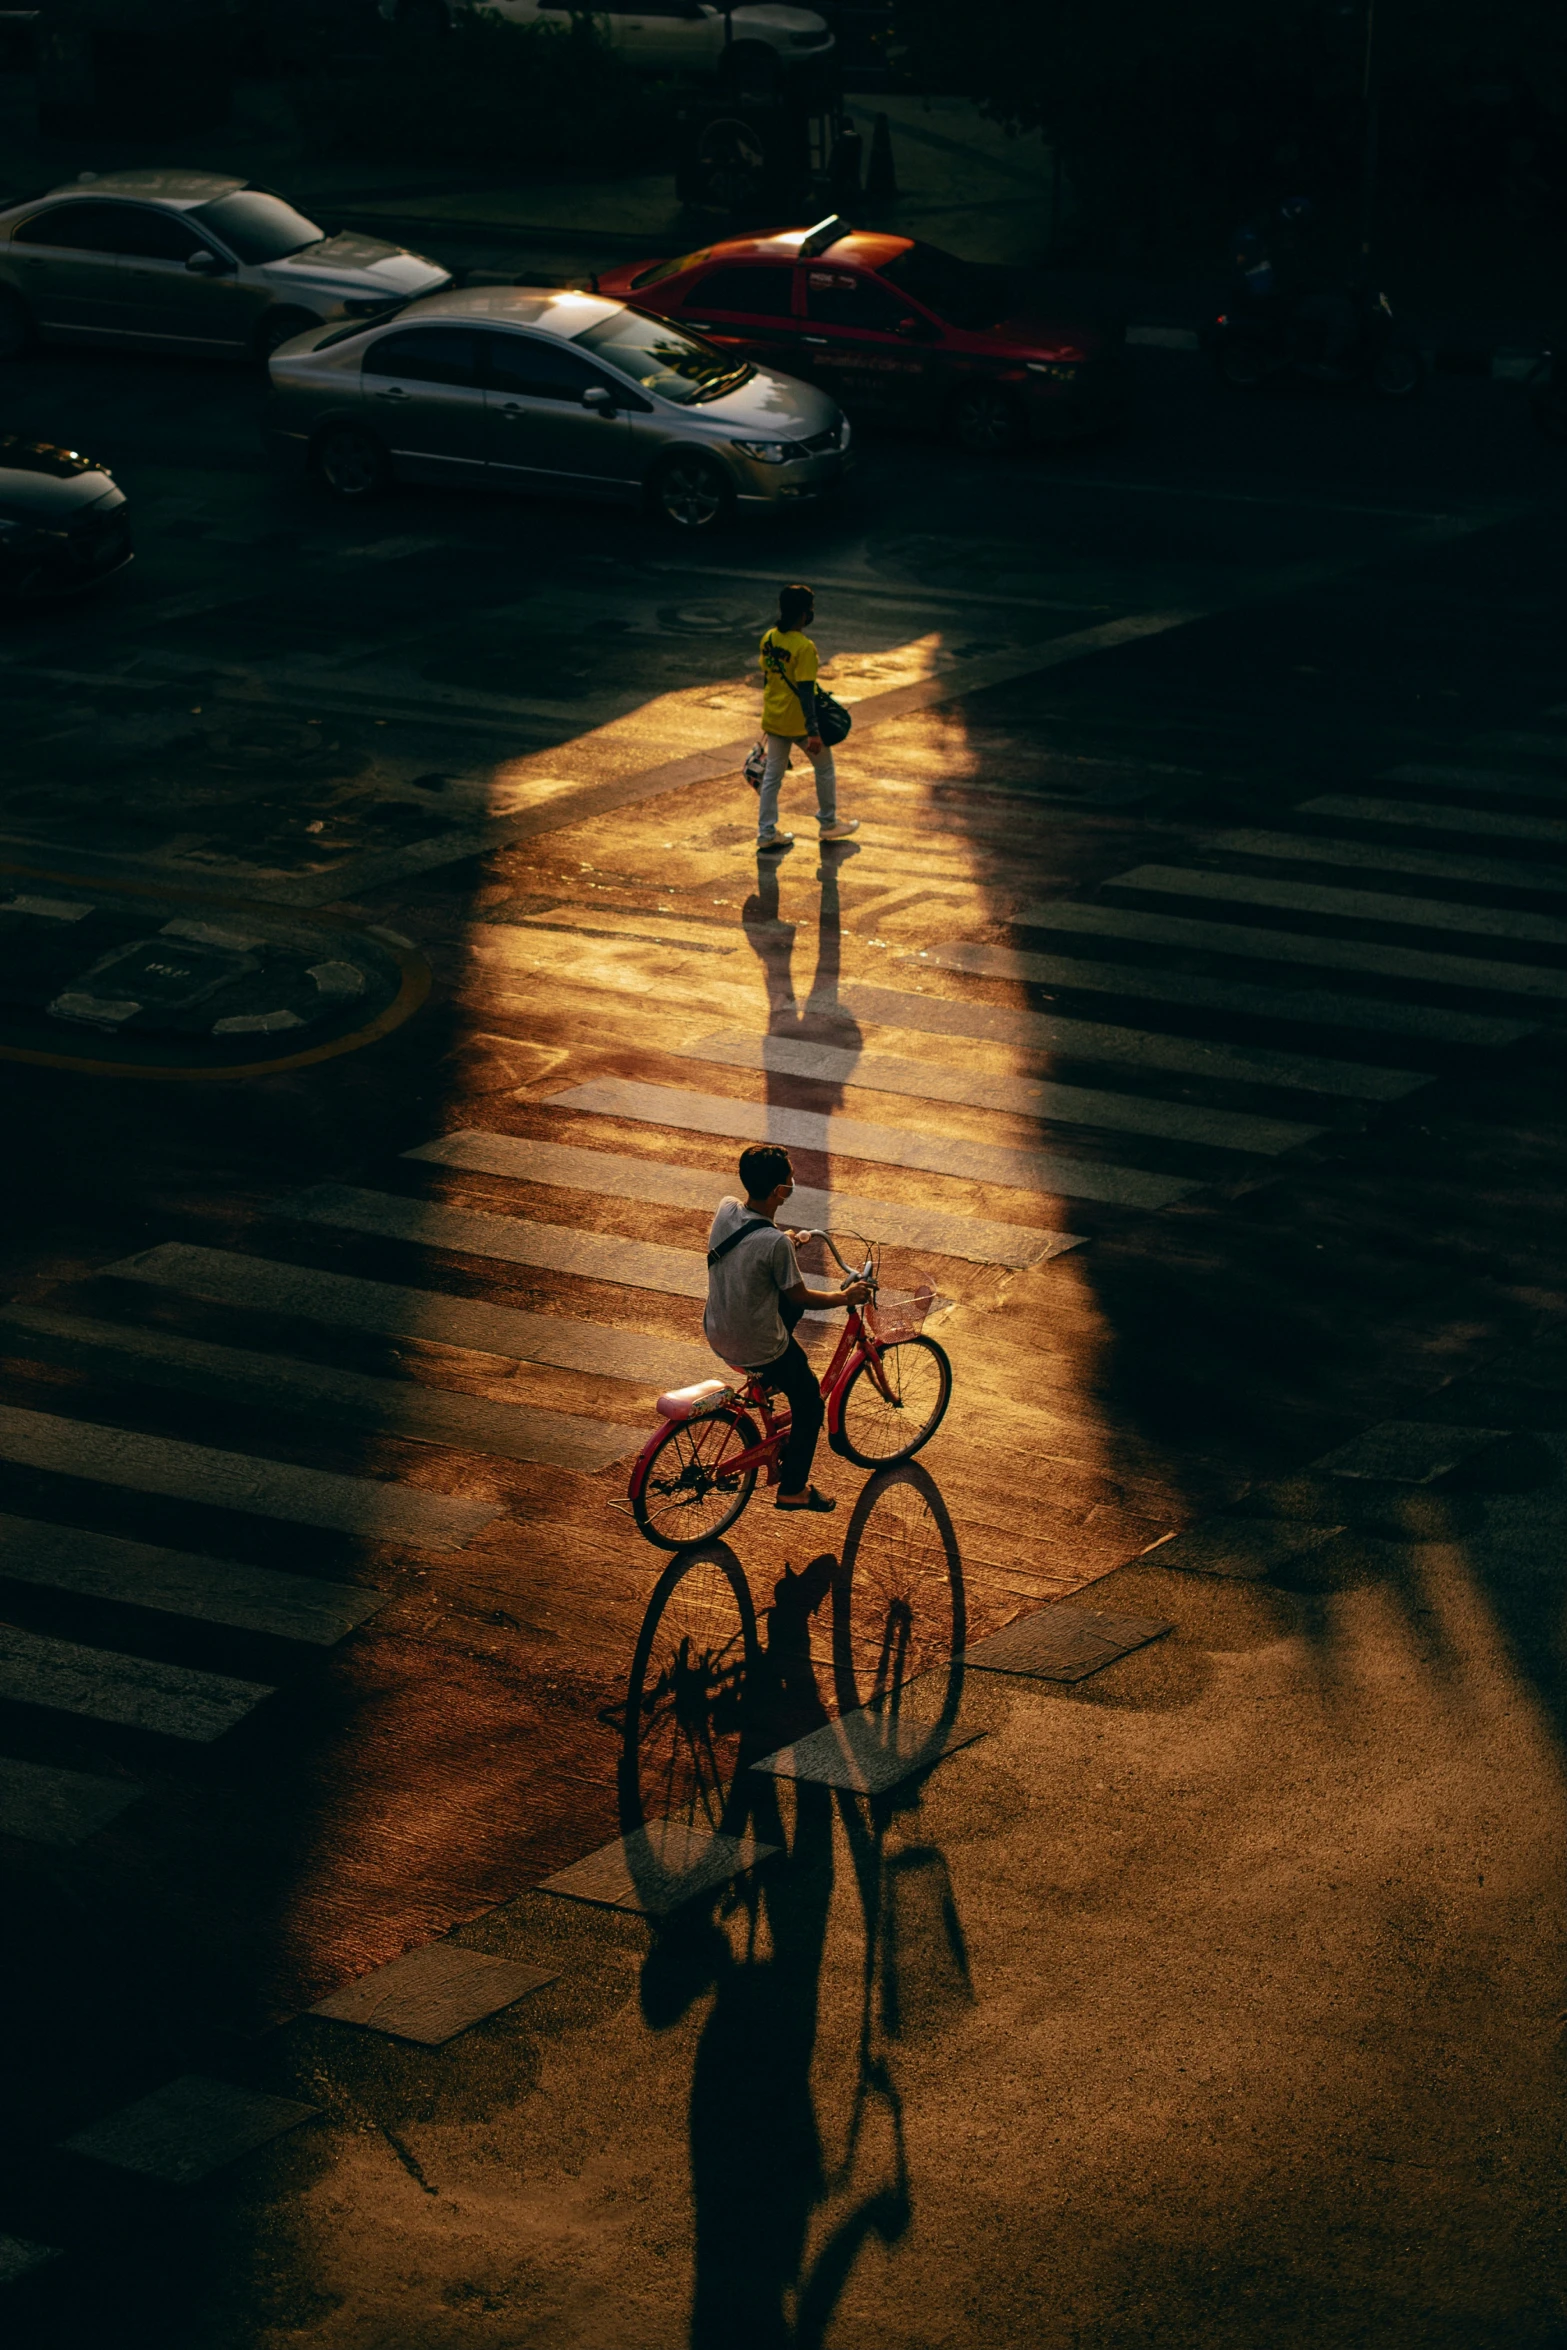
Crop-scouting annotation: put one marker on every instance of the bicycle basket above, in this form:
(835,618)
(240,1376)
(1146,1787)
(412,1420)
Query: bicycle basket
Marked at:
(894,1315)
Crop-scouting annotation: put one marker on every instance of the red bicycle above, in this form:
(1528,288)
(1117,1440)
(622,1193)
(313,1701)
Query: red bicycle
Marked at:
(887,1389)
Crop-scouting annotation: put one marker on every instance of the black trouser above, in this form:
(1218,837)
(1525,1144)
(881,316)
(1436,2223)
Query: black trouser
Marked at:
(794,1375)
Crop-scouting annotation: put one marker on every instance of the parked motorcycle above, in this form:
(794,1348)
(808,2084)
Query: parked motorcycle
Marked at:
(1334,340)
(1548,395)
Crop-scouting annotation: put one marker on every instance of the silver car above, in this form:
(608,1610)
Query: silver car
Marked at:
(514,388)
(187,261)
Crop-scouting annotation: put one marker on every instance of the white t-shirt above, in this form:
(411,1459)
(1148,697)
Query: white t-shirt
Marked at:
(742,1323)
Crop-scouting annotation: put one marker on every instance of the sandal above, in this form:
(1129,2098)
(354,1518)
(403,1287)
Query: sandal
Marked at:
(811,1499)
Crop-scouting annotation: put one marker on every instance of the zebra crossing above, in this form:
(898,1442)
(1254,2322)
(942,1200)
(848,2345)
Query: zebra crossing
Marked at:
(1149,1076)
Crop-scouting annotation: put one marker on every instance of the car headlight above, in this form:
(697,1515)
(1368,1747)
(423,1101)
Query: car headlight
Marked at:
(1061,371)
(369,305)
(770,452)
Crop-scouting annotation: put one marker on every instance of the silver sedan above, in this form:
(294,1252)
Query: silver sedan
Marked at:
(514,388)
(187,261)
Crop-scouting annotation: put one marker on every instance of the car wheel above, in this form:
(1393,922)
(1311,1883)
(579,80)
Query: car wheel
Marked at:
(986,420)
(749,69)
(1242,365)
(691,492)
(1397,373)
(731,165)
(279,327)
(352,465)
(16,327)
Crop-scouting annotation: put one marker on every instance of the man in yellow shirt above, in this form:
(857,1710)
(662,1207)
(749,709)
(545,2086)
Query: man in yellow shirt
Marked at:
(789,667)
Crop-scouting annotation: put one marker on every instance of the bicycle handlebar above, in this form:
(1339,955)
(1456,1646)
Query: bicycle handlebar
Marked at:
(864,1271)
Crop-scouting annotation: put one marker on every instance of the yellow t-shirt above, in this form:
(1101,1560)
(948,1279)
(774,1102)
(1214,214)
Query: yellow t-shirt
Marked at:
(788,658)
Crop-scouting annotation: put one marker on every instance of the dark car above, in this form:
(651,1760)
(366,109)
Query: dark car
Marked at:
(893,328)
(64,526)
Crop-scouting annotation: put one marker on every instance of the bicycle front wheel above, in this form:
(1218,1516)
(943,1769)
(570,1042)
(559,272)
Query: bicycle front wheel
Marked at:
(692,1492)
(878,1429)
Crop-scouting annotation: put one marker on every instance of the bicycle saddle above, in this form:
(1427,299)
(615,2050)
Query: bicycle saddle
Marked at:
(682,1403)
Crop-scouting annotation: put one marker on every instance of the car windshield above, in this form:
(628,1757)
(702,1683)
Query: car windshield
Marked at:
(257,227)
(657,271)
(965,293)
(662,358)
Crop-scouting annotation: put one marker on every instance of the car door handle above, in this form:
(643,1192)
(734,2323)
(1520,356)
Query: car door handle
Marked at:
(515,410)
(392,392)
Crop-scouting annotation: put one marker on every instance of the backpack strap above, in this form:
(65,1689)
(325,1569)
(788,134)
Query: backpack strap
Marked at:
(757,1224)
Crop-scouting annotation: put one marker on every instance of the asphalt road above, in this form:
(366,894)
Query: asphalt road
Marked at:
(1185,1013)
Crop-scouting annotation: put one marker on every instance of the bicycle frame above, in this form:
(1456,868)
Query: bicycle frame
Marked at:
(857,1344)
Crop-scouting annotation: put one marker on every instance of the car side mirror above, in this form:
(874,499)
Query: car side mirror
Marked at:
(204,262)
(599,398)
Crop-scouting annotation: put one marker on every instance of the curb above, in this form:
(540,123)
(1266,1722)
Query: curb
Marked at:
(1504,366)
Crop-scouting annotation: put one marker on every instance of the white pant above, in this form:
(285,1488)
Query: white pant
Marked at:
(779,746)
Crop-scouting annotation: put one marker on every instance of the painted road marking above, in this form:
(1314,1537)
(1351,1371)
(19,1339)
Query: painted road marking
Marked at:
(19,2256)
(717,938)
(1292,946)
(350,1303)
(1377,857)
(182,1583)
(1088,1040)
(236,1481)
(188,2128)
(43,1806)
(1028,1097)
(1440,816)
(974,1239)
(1505,781)
(107,1687)
(397,1407)
(894,1146)
(558,1248)
(1359,905)
(1146,983)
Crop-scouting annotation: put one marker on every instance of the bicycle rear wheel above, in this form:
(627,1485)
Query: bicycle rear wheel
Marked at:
(692,1492)
(877,1429)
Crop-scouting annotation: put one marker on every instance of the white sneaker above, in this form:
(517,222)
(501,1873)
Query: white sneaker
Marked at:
(774,841)
(840,829)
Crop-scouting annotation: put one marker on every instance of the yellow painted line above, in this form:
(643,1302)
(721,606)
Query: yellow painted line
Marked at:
(416,982)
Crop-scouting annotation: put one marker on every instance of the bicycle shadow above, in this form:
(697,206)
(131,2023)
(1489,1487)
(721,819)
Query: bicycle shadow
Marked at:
(790,2182)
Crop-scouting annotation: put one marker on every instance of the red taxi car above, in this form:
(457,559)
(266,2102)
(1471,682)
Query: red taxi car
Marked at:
(891,328)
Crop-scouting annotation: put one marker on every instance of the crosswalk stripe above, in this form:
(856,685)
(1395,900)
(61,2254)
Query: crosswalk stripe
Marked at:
(1294,946)
(182,1583)
(1090,1040)
(1377,857)
(108,1687)
(521,1159)
(1144,983)
(425,1415)
(1532,745)
(556,1248)
(41,1805)
(361,1506)
(1311,897)
(1441,816)
(1508,783)
(342,1299)
(649,929)
(1029,1097)
(894,1146)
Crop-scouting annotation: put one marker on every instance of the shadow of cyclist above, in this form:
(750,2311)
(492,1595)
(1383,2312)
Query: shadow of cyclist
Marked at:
(782,2215)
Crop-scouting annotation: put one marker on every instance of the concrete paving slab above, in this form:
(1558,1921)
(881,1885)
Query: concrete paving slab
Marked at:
(657,1868)
(896,1146)
(237,1481)
(1294,946)
(18,2257)
(1027,1097)
(431,1995)
(107,1687)
(408,1408)
(1063,1643)
(1240,1549)
(1408,1452)
(1358,905)
(259,1284)
(188,2129)
(1145,983)
(868,1750)
(43,1806)
(973,1239)
(182,1583)
(1100,1041)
